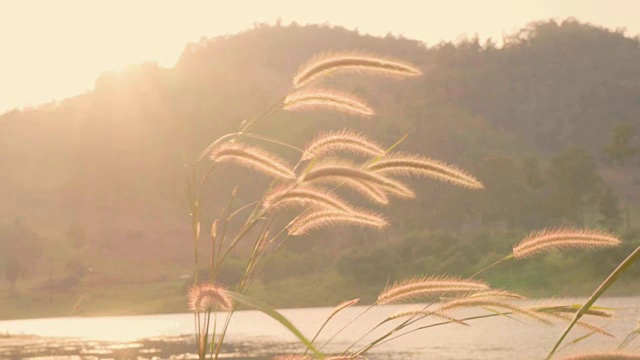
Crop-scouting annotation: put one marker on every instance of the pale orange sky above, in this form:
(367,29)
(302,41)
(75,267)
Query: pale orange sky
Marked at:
(56,49)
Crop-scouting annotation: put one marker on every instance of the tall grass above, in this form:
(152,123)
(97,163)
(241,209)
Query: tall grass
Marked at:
(312,187)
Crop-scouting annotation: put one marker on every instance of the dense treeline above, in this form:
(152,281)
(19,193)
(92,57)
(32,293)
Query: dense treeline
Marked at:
(547,120)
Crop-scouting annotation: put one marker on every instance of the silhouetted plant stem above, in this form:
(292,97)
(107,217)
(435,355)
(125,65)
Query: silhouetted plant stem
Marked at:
(622,267)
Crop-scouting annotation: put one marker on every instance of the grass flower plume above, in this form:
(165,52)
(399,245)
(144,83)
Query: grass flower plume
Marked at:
(205,296)
(429,287)
(320,219)
(419,312)
(326,99)
(492,303)
(331,64)
(409,164)
(545,240)
(252,157)
(342,172)
(305,196)
(348,141)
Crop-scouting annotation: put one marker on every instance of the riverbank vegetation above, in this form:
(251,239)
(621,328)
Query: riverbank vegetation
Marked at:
(547,158)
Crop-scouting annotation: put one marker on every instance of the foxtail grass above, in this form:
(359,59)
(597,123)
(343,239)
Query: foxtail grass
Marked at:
(497,294)
(305,197)
(492,303)
(330,64)
(205,295)
(428,287)
(320,219)
(326,99)
(338,172)
(409,164)
(336,310)
(330,143)
(422,314)
(254,158)
(549,239)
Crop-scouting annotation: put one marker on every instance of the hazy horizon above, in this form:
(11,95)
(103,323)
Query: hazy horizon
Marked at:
(84,39)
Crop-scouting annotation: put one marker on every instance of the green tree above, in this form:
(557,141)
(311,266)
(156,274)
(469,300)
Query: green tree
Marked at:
(620,148)
(19,250)
(610,210)
(573,184)
(533,172)
(505,189)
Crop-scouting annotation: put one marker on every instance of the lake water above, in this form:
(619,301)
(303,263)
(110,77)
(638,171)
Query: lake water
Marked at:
(253,335)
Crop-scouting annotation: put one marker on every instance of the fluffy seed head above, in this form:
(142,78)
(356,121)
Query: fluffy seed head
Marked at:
(409,164)
(305,196)
(326,99)
(350,141)
(320,219)
(568,318)
(252,157)
(206,295)
(343,172)
(550,239)
(571,309)
(343,306)
(468,302)
(429,287)
(497,294)
(419,312)
(329,64)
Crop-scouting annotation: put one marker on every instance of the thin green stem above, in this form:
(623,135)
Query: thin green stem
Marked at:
(433,325)
(347,325)
(402,325)
(241,209)
(274,141)
(270,111)
(624,265)
(510,256)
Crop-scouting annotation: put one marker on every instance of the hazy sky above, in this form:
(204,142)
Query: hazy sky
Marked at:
(55,49)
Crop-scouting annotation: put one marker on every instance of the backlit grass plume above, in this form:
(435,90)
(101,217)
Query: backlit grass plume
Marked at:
(424,313)
(330,64)
(305,196)
(206,295)
(409,164)
(326,99)
(492,303)
(339,172)
(370,191)
(549,239)
(618,355)
(252,157)
(343,306)
(497,294)
(348,141)
(571,309)
(567,318)
(320,219)
(429,287)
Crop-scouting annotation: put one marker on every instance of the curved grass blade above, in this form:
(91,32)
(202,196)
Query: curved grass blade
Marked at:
(596,294)
(268,310)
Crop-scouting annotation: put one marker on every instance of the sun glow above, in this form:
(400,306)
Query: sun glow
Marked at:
(53,50)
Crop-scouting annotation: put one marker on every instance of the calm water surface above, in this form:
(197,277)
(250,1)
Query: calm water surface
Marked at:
(253,335)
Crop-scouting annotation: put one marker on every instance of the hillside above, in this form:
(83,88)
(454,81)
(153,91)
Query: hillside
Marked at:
(99,177)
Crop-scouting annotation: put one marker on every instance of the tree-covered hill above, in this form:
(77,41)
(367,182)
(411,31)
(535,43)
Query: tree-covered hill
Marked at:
(532,118)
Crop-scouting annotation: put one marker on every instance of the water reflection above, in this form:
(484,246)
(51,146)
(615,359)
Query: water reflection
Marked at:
(180,347)
(255,336)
